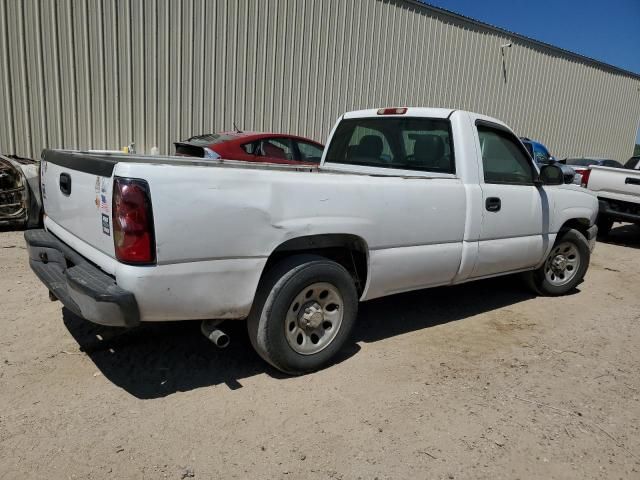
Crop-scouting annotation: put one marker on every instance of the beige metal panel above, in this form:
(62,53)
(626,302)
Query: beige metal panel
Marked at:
(110,57)
(7,134)
(33,68)
(163,33)
(104,73)
(50,74)
(17,78)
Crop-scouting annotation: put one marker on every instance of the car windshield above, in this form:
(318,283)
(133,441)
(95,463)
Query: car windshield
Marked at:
(581,162)
(407,143)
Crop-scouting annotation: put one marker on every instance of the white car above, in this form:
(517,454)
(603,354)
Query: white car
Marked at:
(404,199)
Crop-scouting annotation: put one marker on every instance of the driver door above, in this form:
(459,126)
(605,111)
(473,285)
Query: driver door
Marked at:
(515,212)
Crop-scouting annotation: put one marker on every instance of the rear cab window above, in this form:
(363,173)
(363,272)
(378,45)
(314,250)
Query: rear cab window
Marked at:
(408,143)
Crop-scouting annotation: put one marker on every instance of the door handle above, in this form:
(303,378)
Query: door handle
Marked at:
(632,181)
(65,184)
(493,204)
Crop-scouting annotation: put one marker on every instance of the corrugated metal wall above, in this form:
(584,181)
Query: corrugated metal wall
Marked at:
(104,73)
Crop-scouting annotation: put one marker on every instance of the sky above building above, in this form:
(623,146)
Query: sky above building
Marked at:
(605,31)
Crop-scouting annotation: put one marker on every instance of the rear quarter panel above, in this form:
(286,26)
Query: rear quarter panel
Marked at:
(413,226)
(207,213)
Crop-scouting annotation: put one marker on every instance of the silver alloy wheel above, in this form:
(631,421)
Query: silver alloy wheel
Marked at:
(314,318)
(562,265)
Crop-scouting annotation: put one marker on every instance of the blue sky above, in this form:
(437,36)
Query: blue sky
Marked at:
(606,31)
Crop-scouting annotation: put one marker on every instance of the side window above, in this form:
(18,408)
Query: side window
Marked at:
(309,152)
(251,148)
(275,148)
(540,153)
(611,163)
(503,159)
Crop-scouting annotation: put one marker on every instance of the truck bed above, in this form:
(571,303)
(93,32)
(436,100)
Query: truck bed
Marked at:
(103,163)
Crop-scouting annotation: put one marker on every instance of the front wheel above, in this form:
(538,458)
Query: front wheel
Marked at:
(565,266)
(303,313)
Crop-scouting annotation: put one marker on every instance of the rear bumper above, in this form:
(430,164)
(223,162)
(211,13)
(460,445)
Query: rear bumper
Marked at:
(81,287)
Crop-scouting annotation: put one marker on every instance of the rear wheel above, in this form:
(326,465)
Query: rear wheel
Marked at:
(303,313)
(564,267)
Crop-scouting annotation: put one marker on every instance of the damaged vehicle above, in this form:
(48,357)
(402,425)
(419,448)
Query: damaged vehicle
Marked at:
(403,199)
(20,204)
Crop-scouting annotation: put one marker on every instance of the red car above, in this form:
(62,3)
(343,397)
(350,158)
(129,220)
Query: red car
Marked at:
(253,147)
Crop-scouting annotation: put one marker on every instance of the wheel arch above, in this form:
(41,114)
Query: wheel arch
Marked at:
(350,251)
(580,224)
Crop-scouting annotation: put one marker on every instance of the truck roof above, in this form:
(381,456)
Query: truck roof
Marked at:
(419,112)
(411,111)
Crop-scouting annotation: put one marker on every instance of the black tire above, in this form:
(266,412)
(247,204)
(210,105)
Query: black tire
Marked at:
(604,226)
(276,292)
(537,279)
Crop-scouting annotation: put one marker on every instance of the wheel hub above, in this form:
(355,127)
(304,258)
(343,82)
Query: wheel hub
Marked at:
(311,316)
(559,263)
(563,264)
(314,318)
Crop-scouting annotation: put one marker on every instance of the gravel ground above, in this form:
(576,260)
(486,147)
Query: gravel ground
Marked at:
(481,380)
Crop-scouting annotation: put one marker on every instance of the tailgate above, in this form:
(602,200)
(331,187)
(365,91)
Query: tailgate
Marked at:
(77,194)
(617,183)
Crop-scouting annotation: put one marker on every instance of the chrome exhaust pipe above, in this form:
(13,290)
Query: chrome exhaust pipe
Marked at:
(209,329)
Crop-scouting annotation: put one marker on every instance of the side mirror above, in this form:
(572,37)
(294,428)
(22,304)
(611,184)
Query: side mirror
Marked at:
(551,175)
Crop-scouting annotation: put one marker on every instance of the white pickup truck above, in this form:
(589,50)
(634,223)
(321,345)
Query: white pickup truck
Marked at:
(618,191)
(404,199)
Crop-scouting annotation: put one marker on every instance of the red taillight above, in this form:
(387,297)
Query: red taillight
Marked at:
(392,111)
(133,221)
(585,177)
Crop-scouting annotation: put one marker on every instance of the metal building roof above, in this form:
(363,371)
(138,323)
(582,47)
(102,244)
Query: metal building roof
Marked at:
(584,58)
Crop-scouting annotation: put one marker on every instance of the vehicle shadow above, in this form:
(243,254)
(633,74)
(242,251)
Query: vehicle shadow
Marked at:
(625,235)
(157,359)
(407,312)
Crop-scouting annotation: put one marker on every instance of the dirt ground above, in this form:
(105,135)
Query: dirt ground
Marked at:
(476,381)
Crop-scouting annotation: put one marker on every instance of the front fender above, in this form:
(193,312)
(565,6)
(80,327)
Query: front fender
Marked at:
(573,203)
